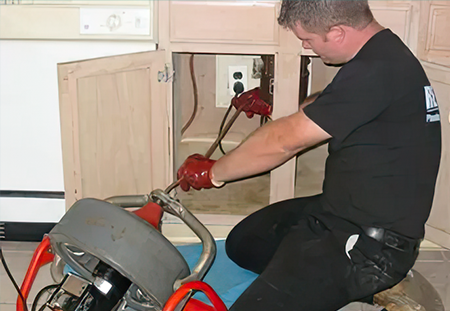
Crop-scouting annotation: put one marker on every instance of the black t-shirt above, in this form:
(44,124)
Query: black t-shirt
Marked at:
(384,155)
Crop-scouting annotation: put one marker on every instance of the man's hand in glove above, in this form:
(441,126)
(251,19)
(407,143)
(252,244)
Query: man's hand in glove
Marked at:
(196,173)
(252,104)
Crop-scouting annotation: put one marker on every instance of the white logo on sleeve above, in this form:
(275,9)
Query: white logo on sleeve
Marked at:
(431,105)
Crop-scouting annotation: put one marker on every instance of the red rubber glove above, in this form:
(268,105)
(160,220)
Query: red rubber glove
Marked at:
(195,173)
(252,103)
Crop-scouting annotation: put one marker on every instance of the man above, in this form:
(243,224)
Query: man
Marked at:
(380,116)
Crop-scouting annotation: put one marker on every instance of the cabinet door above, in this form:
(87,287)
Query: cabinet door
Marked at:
(397,16)
(434,38)
(114,125)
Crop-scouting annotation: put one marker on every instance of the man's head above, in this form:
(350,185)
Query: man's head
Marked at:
(331,28)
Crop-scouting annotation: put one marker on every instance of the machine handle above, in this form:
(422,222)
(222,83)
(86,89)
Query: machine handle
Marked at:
(128,200)
(186,289)
(208,254)
(41,257)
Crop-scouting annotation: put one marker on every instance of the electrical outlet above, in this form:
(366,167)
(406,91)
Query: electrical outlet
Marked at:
(237,79)
(228,66)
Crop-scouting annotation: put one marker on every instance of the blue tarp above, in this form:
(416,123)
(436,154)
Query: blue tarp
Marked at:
(225,277)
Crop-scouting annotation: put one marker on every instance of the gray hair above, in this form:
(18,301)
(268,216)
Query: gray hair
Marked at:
(318,16)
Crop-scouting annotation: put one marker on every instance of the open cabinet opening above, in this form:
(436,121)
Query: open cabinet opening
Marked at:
(198,120)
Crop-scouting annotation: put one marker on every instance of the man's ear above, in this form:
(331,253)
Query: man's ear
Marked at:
(336,34)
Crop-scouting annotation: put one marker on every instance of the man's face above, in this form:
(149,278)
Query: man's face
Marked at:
(323,45)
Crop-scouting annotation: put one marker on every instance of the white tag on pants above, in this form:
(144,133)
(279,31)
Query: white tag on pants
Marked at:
(350,243)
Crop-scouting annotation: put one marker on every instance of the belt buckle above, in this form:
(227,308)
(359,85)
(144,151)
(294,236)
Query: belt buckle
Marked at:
(375,233)
(396,241)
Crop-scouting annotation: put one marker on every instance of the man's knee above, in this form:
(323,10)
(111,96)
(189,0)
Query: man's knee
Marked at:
(230,245)
(237,248)
(248,252)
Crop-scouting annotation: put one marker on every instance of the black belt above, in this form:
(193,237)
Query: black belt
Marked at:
(392,239)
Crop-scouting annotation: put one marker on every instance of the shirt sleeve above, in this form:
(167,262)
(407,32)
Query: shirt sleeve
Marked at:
(359,93)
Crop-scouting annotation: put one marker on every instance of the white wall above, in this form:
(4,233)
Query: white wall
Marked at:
(30,138)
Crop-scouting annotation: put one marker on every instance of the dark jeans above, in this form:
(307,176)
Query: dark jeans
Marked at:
(303,265)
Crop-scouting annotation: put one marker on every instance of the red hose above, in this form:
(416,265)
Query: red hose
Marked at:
(41,257)
(193,304)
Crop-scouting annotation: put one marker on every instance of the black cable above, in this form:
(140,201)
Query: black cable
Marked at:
(40,293)
(194,85)
(221,127)
(263,120)
(2,258)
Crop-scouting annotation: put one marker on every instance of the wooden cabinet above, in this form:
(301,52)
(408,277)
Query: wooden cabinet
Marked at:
(117,118)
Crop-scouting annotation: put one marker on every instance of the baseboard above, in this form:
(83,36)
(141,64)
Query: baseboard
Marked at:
(24,231)
(32,194)
(437,236)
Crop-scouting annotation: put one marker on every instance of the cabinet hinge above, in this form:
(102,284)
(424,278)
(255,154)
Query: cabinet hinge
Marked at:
(166,75)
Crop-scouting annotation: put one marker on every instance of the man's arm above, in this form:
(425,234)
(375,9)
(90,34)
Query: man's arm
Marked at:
(269,147)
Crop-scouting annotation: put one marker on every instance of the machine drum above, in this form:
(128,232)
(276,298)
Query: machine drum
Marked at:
(100,241)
